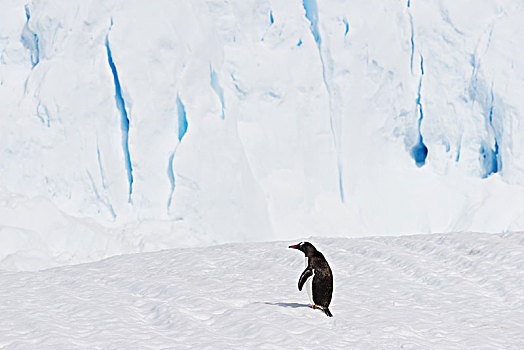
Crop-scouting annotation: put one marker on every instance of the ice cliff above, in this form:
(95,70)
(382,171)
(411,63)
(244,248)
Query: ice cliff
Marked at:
(133,125)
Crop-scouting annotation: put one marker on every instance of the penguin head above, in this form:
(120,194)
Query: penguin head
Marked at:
(307,248)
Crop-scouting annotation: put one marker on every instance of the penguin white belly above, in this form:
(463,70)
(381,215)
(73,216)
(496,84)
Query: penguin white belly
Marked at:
(309,288)
(309,284)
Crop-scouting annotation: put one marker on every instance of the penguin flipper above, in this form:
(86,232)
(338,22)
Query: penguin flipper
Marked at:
(303,278)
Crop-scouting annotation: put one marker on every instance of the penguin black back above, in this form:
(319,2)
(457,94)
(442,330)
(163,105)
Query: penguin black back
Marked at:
(319,274)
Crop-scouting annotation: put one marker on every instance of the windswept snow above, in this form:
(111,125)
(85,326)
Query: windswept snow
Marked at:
(456,291)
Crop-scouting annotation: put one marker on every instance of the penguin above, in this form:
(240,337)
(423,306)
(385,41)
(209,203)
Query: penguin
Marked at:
(317,277)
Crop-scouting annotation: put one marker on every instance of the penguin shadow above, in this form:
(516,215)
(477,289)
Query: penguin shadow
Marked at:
(292,305)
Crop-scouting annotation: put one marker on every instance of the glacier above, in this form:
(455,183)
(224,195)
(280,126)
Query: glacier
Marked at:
(128,126)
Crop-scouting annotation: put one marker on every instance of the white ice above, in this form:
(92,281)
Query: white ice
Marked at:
(131,126)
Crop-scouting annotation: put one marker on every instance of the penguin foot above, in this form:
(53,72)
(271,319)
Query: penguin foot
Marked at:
(327,312)
(323,309)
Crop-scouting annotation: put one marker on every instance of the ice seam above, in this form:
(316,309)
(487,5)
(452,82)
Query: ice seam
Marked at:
(121,106)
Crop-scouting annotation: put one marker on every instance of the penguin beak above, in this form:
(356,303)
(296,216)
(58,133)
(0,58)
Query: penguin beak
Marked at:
(293,246)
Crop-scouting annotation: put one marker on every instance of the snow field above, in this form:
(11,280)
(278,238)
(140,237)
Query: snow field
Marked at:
(455,291)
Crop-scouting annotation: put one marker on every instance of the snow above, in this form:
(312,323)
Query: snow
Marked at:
(139,137)
(452,291)
(141,126)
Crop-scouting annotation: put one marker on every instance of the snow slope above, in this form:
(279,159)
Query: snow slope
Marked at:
(146,125)
(455,291)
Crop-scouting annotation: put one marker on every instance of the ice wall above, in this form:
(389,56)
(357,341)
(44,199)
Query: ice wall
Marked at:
(147,125)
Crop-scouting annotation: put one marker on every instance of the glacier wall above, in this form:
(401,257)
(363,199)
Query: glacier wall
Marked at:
(128,126)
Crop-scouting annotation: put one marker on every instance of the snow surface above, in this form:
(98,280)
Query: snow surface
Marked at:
(131,126)
(455,291)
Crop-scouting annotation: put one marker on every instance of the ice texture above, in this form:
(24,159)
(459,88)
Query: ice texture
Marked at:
(149,125)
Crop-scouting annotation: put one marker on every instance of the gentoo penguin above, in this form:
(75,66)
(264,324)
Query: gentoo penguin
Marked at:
(317,277)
